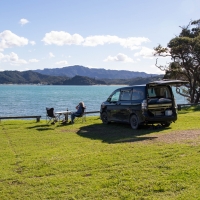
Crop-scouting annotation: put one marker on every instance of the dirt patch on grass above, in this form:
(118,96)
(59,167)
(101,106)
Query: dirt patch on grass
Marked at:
(185,136)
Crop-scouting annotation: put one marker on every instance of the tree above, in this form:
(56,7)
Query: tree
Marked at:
(184,51)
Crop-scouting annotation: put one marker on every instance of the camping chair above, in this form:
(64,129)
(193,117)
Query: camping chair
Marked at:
(81,117)
(50,115)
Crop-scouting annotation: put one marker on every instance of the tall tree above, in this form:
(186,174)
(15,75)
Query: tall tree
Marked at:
(184,51)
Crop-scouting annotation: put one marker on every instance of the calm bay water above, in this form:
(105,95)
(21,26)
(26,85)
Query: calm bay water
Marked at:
(16,100)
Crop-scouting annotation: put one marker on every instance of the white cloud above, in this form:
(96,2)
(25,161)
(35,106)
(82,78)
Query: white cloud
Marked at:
(62,62)
(120,57)
(61,38)
(32,42)
(23,21)
(51,55)
(130,42)
(133,42)
(1,56)
(33,60)
(12,59)
(100,40)
(145,53)
(9,39)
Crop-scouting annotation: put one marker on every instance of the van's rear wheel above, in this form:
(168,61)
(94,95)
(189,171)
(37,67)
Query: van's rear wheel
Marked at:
(104,118)
(134,122)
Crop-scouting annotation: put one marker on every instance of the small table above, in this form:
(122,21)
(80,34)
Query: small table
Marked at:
(65,113)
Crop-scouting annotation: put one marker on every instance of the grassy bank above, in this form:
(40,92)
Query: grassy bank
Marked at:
(96,161)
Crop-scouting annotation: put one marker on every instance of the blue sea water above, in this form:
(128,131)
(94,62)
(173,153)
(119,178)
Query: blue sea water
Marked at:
(17,100)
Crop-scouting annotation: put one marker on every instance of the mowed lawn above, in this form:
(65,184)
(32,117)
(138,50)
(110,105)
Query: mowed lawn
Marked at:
(91,160)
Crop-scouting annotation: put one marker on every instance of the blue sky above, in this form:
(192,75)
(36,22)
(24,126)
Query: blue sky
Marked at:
(109,34)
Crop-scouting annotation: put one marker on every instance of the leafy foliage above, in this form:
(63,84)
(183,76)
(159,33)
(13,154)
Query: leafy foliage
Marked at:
(184,51)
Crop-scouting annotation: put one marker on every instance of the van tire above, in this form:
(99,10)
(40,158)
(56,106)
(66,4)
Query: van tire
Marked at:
(104,118)
(134,122)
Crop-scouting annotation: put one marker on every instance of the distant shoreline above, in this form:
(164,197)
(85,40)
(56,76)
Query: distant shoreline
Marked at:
(65,85)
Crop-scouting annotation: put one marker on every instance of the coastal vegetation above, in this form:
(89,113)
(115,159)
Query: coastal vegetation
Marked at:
(184,51)
(91,160)
(29,77)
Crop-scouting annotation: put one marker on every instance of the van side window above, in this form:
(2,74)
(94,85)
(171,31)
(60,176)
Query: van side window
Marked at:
(115,96)
(138,94)
(125,95)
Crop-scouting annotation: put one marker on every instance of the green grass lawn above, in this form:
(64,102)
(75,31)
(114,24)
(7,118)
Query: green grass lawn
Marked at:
(91,160)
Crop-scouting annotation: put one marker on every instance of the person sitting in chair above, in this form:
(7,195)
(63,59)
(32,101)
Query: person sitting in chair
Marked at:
(80,110)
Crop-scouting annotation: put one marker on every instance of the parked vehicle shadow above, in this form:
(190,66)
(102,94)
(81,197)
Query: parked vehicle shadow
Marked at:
(118,133)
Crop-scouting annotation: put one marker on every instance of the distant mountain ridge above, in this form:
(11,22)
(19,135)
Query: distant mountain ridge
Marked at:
(31,77)
(75,70)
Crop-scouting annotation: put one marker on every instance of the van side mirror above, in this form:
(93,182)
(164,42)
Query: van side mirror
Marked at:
(109,99)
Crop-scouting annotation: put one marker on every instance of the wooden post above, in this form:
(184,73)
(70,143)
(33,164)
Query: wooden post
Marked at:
(179,107)
(38,119)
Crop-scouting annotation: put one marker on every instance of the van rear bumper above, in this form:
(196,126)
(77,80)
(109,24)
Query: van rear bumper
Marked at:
(158,119)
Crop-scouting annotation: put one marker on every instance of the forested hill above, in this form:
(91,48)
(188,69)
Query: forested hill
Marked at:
(72,71)
(30,77)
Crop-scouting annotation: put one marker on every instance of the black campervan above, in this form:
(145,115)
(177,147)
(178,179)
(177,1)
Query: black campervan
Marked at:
(142,104)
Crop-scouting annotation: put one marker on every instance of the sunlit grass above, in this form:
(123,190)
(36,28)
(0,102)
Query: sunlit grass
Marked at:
(91,160)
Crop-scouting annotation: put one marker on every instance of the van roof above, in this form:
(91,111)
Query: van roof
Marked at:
(161,82)
(168,82)
(132,86)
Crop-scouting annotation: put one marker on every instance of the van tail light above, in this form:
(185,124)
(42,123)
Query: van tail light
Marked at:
(144,104)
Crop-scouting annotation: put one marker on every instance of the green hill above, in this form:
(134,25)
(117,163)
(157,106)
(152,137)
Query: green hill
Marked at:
(28,77)
(83,80)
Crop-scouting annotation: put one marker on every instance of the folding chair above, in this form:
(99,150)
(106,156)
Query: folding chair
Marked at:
(50,115)
(81,117)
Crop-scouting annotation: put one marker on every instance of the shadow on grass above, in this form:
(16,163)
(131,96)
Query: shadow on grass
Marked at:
(117,133)
(42,127)
(45,127)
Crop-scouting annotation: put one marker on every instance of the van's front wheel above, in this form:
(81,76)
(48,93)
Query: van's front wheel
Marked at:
(104,118)
(134,122)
